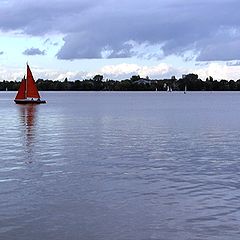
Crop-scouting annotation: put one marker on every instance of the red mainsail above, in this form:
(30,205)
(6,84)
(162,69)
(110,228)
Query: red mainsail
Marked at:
(31,88)
(27,87)
(22,90)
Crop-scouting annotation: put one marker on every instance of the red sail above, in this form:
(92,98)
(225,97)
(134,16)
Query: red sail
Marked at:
(32,91)
(21,92)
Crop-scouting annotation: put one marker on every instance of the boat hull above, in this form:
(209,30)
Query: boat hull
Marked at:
(27,101)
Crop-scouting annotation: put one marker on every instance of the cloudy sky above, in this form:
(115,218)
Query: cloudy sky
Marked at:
(155,38)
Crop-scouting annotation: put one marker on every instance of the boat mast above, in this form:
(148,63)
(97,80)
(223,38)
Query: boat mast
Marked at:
(25,93)
(26,83)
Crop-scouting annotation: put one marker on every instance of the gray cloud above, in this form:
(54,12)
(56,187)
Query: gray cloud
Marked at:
(201,64)
(33,51)
(220,51)
(1,52)
(206,27)
(49,42)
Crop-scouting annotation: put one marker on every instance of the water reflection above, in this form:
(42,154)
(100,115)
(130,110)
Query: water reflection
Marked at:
(27,114)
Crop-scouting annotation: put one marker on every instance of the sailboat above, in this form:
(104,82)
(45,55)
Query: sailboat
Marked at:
(28,92)
(185,89)
(169,89)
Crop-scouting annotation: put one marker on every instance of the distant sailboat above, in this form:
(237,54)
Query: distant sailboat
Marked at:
(28,92)
(185,89)
(169,89)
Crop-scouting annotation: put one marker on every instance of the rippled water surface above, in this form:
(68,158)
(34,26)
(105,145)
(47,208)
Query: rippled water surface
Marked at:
(120,166)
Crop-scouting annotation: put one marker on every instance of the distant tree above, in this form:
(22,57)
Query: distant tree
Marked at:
(191,77)
(232,85)
(98,78)
(135,78)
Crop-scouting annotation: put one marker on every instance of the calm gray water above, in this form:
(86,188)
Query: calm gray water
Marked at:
(120,166)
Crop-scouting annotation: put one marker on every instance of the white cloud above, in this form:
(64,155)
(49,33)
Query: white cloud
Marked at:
(123,71)
(120,69)
(218,71)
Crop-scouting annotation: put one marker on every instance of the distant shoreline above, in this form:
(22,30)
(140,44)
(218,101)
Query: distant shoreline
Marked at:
(189,82)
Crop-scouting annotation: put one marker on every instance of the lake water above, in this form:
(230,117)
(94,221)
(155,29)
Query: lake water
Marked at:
(120,166)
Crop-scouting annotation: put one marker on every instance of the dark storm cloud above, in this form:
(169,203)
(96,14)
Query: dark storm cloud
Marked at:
(33,51)
(206,27)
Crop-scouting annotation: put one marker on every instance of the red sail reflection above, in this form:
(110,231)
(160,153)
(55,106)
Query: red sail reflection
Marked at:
(28,121)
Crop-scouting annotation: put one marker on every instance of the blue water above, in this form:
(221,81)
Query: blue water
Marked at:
(120,166)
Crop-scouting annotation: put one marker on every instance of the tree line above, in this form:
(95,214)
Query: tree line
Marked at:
(191,82)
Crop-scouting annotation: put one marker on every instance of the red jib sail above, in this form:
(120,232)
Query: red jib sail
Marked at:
(31,89)
(22,90)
